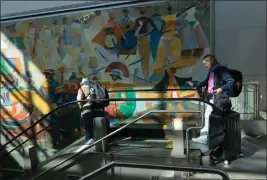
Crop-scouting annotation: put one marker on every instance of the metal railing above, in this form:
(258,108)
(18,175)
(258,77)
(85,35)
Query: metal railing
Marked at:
(248,102)
(112,99)
(196,169)
(121,99)
(123,127)
(27,140)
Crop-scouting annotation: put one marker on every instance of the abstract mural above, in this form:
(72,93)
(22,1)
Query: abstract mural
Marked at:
(147,47)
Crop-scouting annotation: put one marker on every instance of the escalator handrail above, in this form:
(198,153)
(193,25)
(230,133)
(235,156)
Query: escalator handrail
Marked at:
(117,131)
(114,99)
(201,169)
(9,152)
(151,90)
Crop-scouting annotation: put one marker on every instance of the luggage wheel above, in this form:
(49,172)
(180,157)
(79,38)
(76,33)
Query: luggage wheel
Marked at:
(226,162)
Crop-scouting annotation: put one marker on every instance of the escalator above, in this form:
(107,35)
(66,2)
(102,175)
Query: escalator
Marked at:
(68,140)
(73,159)
(49,135)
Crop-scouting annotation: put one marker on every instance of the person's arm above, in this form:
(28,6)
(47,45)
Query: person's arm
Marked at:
(80,96)
(202,83)
(228,86)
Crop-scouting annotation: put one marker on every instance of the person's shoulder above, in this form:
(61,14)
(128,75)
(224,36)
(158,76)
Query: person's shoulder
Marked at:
(221,68)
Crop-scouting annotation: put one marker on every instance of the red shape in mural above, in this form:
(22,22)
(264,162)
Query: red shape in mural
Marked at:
(118,66)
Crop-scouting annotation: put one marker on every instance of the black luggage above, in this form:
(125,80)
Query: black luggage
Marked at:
(225,136)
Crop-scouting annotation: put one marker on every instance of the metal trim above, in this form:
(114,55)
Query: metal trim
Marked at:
(71,9)
(212,26)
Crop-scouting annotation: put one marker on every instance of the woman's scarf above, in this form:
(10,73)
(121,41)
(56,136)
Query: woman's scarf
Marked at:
(213,68)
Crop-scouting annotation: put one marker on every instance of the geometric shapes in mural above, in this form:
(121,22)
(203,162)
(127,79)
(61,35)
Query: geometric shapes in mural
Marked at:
(62,52)
(189,38)
(67,61)
(192,23)
(83,59)
(3,67)
(75,53)
(83,39)
(130,40)
(75,59)
(155,77)
(67,35)
(17,42)
(75,43)
(76,37)
(171,59)
(154,41)
(171,17)
(93,62)
(55,59)
(118,67)
(201,38)
(11,28)
(98,39)
(4,96)
(110,41)
(15,63)
(191,16)
(135,62)
(4,42)
(112,28)
(198,52)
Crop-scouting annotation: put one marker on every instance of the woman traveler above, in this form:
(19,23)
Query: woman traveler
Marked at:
(219,84)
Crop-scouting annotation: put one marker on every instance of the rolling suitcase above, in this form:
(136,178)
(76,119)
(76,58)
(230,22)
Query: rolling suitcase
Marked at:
(225,136)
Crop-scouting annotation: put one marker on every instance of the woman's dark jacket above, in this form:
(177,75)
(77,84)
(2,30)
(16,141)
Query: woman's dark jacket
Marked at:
(222,79)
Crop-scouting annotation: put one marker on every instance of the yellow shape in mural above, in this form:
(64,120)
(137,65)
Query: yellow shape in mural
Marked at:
(31,97)
(33,66)
(171,17)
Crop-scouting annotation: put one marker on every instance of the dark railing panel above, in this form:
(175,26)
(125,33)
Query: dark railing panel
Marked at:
(200,169)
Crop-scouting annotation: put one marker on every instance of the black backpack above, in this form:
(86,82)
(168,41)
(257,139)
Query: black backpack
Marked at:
(238,78)
(101,92)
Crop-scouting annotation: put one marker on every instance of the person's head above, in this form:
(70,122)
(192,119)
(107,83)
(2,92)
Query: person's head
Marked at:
(209,61)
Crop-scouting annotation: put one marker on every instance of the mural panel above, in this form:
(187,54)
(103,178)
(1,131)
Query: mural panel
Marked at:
(150,47)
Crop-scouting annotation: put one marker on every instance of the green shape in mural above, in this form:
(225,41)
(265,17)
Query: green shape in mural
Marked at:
(3,67)
(18,42)
(192,23)
(127,109)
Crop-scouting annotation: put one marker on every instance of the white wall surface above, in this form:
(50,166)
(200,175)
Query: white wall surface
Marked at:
(240,39)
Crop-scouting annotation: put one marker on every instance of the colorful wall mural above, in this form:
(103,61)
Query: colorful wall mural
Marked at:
(150,47)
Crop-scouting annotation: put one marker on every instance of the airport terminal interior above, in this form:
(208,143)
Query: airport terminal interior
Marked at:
(144,53)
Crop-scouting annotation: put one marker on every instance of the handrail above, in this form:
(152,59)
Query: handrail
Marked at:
(201,169)
(115,99)
(9,152)
(115,132)
(151,90)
